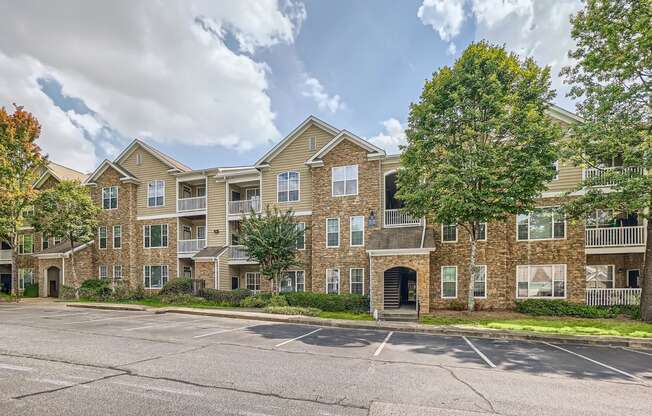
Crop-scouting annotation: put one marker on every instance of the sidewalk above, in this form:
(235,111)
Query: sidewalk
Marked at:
(449,330)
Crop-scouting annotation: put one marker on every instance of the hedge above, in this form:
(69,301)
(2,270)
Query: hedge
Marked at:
(292,310)
(225,297)
(545,307)
(180,285)
(329,302)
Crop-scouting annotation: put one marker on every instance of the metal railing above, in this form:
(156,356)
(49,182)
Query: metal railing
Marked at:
(610,297)
(615,236)
(190,246)
(244,206)
(239,253)
(600,176)
(396,217)
(191,204)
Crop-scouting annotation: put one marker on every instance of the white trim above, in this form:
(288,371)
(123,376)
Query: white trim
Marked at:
(150,236)
(278,177)
(613,274)
(486,272)
(627,276)
(103,167)
(121,270)
(260,282)
(357,181)
(339,280)
(351,230)
(615,250)
(344,134)
(457,230)
(150,275)
(155,181)
(441,281)
(401,251)
(559,113)
(486,232)
(154,152)
(99,272)
(304,236)
(529,213)
(117,193)
(351,279)
(165,216)
(552,278)
(339,233)
(113,237)
(99,237)
(65,254)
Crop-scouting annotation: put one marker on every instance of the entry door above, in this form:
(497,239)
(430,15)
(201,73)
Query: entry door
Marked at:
(633,278)
(54,289)
(5,282)
(234,282)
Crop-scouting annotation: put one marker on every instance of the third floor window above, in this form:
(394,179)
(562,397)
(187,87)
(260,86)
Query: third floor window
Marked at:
(288,186)
(156,193)
(110,197)
(345,180)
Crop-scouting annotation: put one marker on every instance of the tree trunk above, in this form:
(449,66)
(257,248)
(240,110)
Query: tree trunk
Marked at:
(646,284)
(472,240)
(14,272)
(72,266)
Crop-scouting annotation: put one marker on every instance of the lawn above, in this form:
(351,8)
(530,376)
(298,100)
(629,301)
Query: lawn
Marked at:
(5,297)
(549,325)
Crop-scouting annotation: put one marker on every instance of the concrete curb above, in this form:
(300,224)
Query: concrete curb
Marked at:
(641,343)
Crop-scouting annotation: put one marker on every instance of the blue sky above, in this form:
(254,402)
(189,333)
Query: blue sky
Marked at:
(218,83)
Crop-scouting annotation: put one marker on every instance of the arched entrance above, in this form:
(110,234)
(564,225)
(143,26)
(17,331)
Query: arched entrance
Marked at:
(400,288)
(54,279)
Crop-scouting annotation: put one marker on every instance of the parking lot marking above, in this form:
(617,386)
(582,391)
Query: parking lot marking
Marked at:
(477,351)
(15,367)
(107,319)
(294,339)
(595,362)
(222,331)
(163,325)
(382,345)
(158,389)
(64,314)
(636,351)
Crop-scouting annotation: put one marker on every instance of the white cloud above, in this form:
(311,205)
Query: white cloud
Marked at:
(141,67)
(452,49)
(315,90)
(445,16)
(392,136)
(490,12)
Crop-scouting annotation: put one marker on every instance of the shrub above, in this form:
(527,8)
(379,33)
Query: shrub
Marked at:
(177,286)
(139,292)
(31,291)
(328,302)
(95,289)
(292,310)
(456,305)
(68,292)
(277,300)
(543,307)
(225,297)
(180,299)
(256,301)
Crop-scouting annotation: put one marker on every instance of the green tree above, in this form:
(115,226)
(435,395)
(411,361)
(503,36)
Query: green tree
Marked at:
(271,239)
(21,163)
(479,144)
(66,211)
(612,78)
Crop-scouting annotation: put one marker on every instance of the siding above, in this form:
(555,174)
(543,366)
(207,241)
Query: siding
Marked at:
(569,178)
(216,209)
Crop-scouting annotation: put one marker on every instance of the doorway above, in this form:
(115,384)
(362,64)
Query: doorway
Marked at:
(5,282)
(54,276)
(634,279)
(400,288)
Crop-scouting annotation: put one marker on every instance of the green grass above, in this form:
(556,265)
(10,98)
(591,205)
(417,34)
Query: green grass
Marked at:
(564,326)
(346,315)
(5,297)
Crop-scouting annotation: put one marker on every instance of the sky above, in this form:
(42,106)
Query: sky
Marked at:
(217,83)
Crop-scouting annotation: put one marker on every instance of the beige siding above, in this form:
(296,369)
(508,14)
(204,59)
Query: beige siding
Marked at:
(151,169)
(569,178)
(216,210)
(293,158)
(225,273)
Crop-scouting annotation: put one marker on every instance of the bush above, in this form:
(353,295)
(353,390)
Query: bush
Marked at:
(292,310)
(328,302)
(543,307)
(456,305)
(256,301)
(68,292)
(225,297)
(180,299)
(95,289)
(31,291)
(177,286)
(277,300)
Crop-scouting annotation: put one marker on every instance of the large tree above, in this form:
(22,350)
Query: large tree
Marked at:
(479,144)
(66,211)
(21,163)
(612,79)
(271,239)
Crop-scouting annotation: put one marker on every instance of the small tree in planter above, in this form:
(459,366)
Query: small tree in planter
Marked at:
(271,239)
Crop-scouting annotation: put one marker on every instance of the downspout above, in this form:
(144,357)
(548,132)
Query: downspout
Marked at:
(216,274)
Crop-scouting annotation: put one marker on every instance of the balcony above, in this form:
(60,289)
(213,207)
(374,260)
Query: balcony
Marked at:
(190,246)
(191,204)
(600,176)
(238,255)
(398,218)
(244,206)
(611,297)
(5,256)
(615,237)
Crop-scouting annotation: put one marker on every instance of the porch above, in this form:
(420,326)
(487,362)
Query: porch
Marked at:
(191,196)
(613,297)
(244,197)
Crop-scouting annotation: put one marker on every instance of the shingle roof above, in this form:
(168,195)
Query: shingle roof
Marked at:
(62,248)
(208,252)
(401,238)
(63,172)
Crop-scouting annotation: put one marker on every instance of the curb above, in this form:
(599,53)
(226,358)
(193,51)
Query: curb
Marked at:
(640,343)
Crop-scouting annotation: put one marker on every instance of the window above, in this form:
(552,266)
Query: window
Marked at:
(480,282)
(555,166)
(102,237)
(25,278)
(56,240)
(117,236)
(45,242)
(541,224)
(201,191)
(187,232)
(301,239)
(356,284)
(27,212)
(252,193)
(139,158)
(103,272)
(187,271)
(156,235)
(252,281)
(600,277)
(156,194)
(26,244)
(312,143)
(344,180)
(357,231)
(293,281)
(110,197)
(449,281)
(482,231)
(333,281)
(287,184)
(201,232)
(333,232)
(117,272)
(449,233)
(155,276)
(547,281)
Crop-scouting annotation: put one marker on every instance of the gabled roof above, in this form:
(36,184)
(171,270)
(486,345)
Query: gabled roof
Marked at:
(287,140)
(126,176)
(165,159)
(210,252)
(563,115)
(62,249)
(345,135)
(59,172)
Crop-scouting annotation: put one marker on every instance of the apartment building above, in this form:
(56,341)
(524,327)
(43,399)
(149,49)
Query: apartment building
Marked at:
(161,219)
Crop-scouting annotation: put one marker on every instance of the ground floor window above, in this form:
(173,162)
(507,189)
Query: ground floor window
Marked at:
(103,273)
(293,281)
(25,278)
(544,281)
(117,272)
(480,282)
(187,271)
(156,276)
(449,281)
(252,281)
(600,276)
(333,281)
(357,281)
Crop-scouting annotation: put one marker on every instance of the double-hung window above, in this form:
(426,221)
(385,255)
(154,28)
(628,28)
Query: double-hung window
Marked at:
(103,272)
(252,280)
(357,231)
(600,276)
(480,282)
(482,232)
(333,232)
(117,236)
(541,224)
(156,193)
(344,180)
(449,281)
(25,278)
(287,185)
(156,236)
(356,282)
(544,281)
(301,238)
(117,272)
(333,281)
(26,244)
(45,242)
(293,281)
(110,197)
(449,233)
(155,276)
(102,235)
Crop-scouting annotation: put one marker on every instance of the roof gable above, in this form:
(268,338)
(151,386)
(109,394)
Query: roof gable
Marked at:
(373,151)
(165,159)
(59,173)
(125,175)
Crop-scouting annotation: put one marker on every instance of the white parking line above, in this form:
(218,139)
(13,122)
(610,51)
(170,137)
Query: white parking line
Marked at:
(636,351)
(64,314)
(477,351)
(294,339)
(163,325)
(382,345)
(158,389)
(222,331)
(107,319)
(15,367)
(596,362)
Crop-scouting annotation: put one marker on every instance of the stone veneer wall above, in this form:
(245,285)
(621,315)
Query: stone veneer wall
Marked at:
(420,263)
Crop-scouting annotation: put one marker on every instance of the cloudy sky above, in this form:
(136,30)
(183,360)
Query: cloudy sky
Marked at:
(216,83)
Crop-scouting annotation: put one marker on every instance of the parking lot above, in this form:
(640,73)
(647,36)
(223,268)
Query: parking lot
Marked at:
(83,361)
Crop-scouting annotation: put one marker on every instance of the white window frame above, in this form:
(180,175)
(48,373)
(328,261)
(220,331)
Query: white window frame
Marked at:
(529,216)
(303,226)
(139,158)
(164,276)
(278,187)
(351,231)
(295,280)
(103,272)
(21,244)
(119,236)
(201,232)
(312,143)
(346,179)
(146,236)
(156,195)
(339,286)
(256,277)
(45,242)
(339,236)
(56,240)
(116,275)
(529,266)
(484,267)
(486,232)
(457,231)
(556,166)
(351,279)
(189,269)
(613,274)
(22,272)
(441,278)
(109,197)
(99,237)
(186,229)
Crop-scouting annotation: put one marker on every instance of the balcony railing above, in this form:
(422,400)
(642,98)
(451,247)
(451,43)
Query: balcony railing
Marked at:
(244,206)
(396,217)
(610,297)
(239,253)
(600,176)
(5,255)
(191,204)
(615,236)
(190,246)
